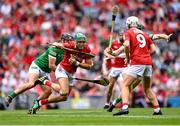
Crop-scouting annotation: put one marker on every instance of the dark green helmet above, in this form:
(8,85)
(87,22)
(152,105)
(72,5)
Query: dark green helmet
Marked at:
(140,26)
(80,37)
(66,36)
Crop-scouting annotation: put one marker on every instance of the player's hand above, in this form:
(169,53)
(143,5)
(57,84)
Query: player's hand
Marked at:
(126,61)
(72,60)
(169,36)
(110,53)
(109,57)
(58,45)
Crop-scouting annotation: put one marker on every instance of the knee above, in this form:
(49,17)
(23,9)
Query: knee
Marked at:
(63,92)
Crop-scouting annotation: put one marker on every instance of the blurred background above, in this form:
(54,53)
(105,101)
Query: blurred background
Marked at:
(27,25)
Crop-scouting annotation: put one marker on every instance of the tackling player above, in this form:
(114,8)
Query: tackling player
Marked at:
(41,66)
(66,69)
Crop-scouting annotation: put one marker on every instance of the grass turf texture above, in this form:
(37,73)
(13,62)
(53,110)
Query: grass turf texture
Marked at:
(137,116)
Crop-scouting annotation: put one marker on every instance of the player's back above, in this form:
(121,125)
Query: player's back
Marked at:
(43,60)
(139,47)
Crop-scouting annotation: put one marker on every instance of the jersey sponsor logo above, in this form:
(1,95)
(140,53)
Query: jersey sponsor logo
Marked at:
(52,53)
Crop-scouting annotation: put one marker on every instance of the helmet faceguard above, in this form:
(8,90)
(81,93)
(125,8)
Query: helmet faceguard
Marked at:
(80,37)
(132,21)
(140,26)
(66,37)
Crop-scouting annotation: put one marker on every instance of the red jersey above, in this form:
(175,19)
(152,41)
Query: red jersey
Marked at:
(139,46)
(118,62)
(65,64)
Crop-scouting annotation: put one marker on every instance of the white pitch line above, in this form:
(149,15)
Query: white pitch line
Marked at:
(88,125)
(123,116)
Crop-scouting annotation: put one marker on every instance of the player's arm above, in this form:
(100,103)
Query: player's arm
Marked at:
(108,53)
(126,50)
(152,46)
(85,64)
(118,51)
(52,61)
(104,67)
(160,36)
(126,45)
(57,45)
(152,49)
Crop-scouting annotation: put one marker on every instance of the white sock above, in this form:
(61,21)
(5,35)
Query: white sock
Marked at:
(125,107)
(106,103)
(40,103)
(156,110)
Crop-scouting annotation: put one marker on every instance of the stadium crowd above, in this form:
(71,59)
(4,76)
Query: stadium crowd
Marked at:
(27,25)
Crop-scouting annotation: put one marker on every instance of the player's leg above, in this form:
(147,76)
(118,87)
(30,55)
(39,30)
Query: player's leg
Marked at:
(130,75)
(30,84)
(46,93)
(112,81)
(115,101)
(151,95)
(125,92)
(119,99)
(62,89)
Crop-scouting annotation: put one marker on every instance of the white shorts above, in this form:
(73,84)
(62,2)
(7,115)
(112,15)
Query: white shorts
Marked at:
(116,72)
(61,73)
(139,70)
(35,69)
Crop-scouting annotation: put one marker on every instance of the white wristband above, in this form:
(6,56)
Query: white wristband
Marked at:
(77,63)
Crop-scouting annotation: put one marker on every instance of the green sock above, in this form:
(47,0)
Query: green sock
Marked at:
(117,100)
(13,95)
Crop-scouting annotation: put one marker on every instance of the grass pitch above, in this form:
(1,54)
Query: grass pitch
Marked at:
(137,116)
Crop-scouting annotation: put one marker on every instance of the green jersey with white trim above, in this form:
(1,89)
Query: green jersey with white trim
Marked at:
(43,60)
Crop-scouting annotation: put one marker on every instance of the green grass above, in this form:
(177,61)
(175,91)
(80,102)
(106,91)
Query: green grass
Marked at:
(138,116)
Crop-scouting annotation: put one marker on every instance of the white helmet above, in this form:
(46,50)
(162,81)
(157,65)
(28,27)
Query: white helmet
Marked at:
(132,21)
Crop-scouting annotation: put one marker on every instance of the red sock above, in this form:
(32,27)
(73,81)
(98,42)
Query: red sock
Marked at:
(156,106)
(43,101)
(48,83)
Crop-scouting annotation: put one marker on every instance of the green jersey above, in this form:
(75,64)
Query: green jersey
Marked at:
(43,60)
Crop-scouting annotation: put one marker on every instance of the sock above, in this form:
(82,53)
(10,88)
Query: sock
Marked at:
(156,108)
(116,101)
(106,103)
(43,102)
(12,95)
(48,83)
(125,106)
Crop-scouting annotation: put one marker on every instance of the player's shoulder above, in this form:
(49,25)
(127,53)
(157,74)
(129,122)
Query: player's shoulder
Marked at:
(116,44)
(70,44)
(87,48)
